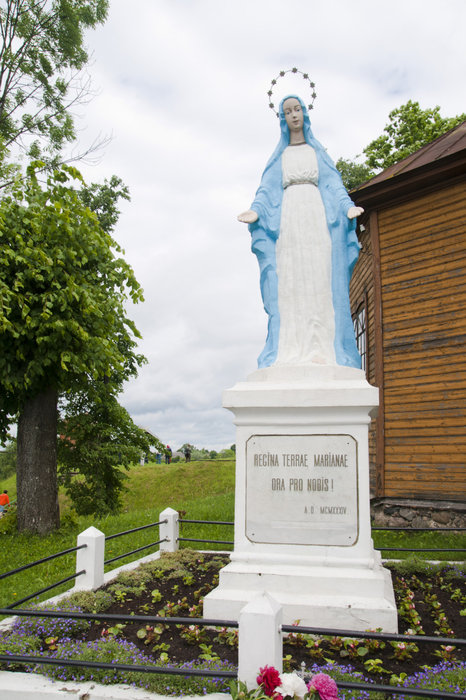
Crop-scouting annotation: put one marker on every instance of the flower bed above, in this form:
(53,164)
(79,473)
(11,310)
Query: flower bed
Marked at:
(431,602)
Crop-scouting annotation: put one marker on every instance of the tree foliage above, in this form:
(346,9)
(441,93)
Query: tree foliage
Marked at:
(63,320)
(63,292)
(41,54)
(98,442)
(353,173)
(409,128)
(8,460)
(202,453)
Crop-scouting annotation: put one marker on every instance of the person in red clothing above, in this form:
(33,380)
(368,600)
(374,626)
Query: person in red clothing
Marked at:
(4,501)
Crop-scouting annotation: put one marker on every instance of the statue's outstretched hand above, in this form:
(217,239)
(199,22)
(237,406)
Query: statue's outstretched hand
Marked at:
(248,217)
(353,212)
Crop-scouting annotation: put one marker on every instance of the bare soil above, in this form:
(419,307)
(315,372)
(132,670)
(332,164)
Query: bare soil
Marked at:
(181,596)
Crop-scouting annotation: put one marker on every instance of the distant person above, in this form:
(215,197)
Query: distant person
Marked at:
(187,453)
(4,501)
(168,454)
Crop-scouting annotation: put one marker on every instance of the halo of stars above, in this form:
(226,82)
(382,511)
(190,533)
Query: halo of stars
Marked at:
(281,75)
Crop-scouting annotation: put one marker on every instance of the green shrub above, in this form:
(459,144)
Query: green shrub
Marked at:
(17,644)
(44,627)
(91,601)
(9,521)
(134,577)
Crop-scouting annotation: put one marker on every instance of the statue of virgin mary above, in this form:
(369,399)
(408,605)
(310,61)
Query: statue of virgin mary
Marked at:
(303,228)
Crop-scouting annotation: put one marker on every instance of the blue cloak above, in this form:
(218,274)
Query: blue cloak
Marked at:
(345,247)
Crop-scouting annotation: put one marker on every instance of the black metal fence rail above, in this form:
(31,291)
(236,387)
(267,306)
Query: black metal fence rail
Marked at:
(139,549)
(398,690)
(326,632)
(380,549)
(44,590)
(193,539)
(422,529)
(79,573)
(206,622)
(207,522)
(134,529)
(423,549)
(41,561)
(13,658)
(184,521)
(103,617)
(134,551)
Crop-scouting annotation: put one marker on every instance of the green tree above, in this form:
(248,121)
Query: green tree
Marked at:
(98,443)
(8,460)
(226,453)
(353,173)
(41,56)
(63,321)
(409,128)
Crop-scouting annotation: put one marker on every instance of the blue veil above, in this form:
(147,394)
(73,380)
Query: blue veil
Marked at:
(345,247)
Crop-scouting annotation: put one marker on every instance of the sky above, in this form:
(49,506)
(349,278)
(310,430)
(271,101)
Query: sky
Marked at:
(181,91)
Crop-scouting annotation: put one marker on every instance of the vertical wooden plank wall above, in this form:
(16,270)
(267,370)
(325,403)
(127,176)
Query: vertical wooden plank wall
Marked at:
(423,291)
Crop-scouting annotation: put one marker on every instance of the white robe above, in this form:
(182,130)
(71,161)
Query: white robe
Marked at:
(304,265)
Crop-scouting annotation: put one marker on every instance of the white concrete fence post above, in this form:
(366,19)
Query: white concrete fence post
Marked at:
(260,638)
(91,559)
(169,530)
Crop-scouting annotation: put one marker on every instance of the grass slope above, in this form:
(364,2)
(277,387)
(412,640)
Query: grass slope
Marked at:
(204,490)
(200,490)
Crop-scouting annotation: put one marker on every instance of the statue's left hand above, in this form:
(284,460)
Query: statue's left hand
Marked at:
(353,212)
(248,217)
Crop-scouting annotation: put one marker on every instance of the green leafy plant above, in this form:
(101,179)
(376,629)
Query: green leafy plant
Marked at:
(288,663)
(207,653)
(374,666)
(228,636)
(193,634)
(150,634)
(404,650)
(156,595)
(447,652)
(114,631)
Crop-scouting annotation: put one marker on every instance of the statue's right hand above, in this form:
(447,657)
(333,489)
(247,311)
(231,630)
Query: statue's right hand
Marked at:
(248,217)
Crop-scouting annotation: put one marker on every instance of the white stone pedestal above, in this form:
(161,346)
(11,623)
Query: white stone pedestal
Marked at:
(302,517)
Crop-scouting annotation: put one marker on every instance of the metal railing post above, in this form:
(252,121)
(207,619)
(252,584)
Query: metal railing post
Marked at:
(260,638)
(91,559)
(169,530)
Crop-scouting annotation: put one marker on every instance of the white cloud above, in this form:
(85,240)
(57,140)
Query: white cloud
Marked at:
(182,89)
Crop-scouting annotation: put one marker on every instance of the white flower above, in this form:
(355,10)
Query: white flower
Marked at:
(292,685)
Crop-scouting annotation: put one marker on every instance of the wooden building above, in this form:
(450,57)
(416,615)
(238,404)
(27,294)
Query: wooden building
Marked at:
(408,297)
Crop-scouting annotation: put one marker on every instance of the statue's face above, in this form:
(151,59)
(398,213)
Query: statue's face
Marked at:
(293,114)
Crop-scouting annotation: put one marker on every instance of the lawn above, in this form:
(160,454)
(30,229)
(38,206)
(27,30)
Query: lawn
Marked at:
(203,490)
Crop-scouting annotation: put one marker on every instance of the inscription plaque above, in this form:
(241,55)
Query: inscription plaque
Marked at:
(302,489)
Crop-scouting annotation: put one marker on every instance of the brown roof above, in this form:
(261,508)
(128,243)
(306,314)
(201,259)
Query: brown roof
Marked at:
(443,158)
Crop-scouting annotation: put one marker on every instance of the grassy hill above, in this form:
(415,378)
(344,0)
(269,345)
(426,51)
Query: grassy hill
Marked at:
(203,490)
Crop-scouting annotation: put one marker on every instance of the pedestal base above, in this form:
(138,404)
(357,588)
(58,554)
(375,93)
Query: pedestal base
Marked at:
(302,516)
(332,597)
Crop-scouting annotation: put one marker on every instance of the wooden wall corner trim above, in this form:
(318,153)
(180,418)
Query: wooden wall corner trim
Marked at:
(379,369)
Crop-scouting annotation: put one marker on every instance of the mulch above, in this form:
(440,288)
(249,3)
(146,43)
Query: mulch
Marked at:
(175,592)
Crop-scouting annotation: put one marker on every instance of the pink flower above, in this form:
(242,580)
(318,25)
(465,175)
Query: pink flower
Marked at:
(269,679)
(324,685)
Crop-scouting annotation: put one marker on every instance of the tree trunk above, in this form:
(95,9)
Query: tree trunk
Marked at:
(37,490)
